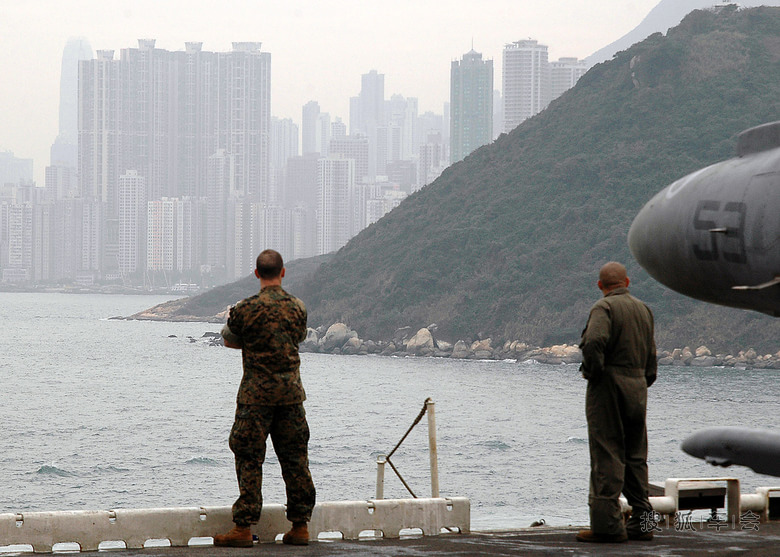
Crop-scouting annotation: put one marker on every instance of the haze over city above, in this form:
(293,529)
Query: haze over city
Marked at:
(319,49)
(186,147)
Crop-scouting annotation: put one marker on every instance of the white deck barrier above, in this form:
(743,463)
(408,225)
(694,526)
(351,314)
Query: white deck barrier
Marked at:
(88,529)
(737,504)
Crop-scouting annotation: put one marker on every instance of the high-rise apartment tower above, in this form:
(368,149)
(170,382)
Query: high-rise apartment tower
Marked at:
(526,81)
(471,104)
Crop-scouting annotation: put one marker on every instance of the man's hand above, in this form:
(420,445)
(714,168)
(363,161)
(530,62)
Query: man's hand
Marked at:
(231,339)
(230,344)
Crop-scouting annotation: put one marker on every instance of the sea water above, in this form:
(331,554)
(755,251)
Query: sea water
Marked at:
(98,413)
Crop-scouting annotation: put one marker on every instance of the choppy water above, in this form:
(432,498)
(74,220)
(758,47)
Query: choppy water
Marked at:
(101,414)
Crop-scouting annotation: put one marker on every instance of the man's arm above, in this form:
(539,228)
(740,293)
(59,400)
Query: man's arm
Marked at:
(651,365)
(594,341)
(230,336)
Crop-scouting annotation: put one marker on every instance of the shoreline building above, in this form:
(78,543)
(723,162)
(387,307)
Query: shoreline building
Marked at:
(526,81)
(471,105)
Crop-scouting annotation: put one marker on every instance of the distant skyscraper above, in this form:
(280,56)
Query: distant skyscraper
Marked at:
(471,104)
(309,122)
(271,230)
(165,113)
(323,133)
(177,109)
(429,123)
(248,117)
(303,239)
(338,128)
(367,115)
(498,113)
(132,222)
(338,215)
(284,146)
(220,187)
(161,234)
(526,81)
(170,235)
(564,74)
(14,170)
(355,148)
(370,105)
(100,131)
(64,151)
(301,200)
(401,115)
(92,236)
(300,188)
(18,221)
(61,182)
(431,159)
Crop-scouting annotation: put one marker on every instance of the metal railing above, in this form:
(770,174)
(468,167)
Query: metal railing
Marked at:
(429,407)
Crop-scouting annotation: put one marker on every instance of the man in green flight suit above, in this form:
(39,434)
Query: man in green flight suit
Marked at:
(619,362)
(267,328)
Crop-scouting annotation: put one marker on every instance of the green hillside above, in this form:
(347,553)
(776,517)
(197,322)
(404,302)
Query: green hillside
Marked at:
(508,242)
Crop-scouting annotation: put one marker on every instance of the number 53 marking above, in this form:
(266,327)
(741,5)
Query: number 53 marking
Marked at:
(732,237)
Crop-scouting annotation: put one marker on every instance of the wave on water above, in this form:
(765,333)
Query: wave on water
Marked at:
(494,444)
(110,469)
(577,440)
(202,461)
(53,471)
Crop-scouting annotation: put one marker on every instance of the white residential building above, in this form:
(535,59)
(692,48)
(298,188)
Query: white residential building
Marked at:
(526,81)
(132,222)
(564,74)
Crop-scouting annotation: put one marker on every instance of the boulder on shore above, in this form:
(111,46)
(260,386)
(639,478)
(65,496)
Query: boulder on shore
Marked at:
(460,350)
(422,343)
(336,336)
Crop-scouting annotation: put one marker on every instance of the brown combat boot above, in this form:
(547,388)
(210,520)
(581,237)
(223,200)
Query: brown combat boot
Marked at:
(299,535)
(593,537)
(239,536)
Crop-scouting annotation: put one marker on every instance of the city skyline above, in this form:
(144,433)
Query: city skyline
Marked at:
(320,49)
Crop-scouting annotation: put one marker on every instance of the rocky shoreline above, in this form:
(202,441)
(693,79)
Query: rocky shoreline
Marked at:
(340,339)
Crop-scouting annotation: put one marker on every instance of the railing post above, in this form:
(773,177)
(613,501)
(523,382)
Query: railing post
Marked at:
(380,476)
(432,450)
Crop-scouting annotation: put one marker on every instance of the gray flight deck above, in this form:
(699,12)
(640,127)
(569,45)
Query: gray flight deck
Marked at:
(544,540)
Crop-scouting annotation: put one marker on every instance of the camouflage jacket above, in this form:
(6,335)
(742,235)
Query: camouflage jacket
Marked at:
(619,334)
(270,325)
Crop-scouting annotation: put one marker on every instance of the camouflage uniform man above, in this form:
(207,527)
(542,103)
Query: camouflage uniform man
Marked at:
(619,362)
(268,327)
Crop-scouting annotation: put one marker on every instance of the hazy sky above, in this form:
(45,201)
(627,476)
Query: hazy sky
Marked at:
(319,48)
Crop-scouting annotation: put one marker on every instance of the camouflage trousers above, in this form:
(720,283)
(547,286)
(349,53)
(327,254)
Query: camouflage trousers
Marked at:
(289,433)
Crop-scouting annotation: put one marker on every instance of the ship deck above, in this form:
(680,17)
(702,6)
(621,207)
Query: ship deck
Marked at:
(758,540)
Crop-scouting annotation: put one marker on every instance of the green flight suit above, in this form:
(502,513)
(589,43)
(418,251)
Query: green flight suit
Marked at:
(619,362)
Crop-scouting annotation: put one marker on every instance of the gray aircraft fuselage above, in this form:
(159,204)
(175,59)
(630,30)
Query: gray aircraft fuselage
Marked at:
(714,235)
(723,446)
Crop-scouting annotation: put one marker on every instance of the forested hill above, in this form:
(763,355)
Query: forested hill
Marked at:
(508,242)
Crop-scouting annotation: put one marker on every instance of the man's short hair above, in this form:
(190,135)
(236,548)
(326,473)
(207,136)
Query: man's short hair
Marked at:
(269,264)
(613,274)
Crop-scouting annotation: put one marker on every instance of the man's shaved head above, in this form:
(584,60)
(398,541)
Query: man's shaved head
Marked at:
(612,275)
(269,264)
